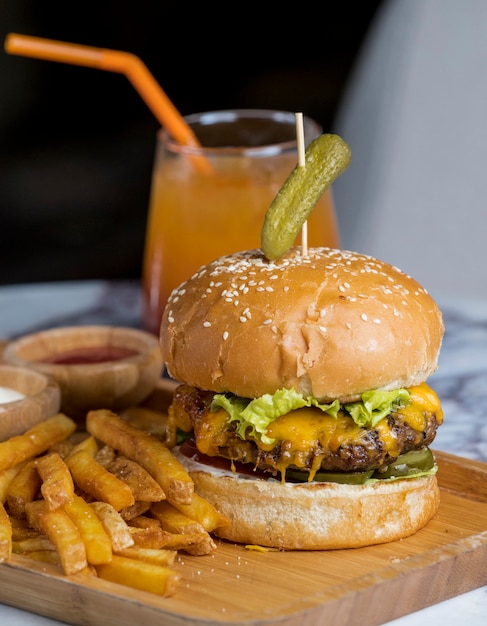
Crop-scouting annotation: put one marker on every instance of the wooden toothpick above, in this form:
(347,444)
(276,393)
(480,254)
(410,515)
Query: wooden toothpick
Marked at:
(302,163)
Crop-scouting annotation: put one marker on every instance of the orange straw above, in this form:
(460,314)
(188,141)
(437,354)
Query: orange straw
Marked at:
(114,61)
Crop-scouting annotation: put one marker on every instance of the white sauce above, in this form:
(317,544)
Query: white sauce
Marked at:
(9,395)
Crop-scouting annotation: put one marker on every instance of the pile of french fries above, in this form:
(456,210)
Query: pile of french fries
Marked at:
(111,502)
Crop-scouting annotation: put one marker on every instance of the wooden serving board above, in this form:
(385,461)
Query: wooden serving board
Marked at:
(240,586)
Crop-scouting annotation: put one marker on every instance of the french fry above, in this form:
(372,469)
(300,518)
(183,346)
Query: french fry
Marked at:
(33,544)
(140,575)
(57,486)
(59,528)
(24,488)
(195,544)
(205,513)
(5,535)
(147,532)
(143,521)
(21,528)
(145,449)
(36,440)
(141,483)
(88,444)
(98,545)
(105,455)
(97,481)
(150,537)
(146,419)
(175,521)
(114,525)
(6,477)
(138,508)
(201,545)
(149,555)
(46,556)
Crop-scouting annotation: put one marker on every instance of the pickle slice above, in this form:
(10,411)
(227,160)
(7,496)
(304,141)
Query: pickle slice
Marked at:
(408,464)
(326,158)
(349,478)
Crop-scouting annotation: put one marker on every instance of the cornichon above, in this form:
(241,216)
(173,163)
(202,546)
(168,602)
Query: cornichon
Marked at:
(326,158)
(349,478)
(407,464)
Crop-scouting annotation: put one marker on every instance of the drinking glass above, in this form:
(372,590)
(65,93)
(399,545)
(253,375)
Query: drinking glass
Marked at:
(211,200)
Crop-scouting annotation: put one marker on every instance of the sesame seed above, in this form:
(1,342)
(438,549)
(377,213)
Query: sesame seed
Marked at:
(225,335)
(323,329)
(376,320)
(267,321)
(206,324)
(170,319)
(364,317)
(242,318)
(348,325)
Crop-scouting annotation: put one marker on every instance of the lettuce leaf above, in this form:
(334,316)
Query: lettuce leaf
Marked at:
(254,416)
(375,405)
(258,413)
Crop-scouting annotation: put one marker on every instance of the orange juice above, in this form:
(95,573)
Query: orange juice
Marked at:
(196,215)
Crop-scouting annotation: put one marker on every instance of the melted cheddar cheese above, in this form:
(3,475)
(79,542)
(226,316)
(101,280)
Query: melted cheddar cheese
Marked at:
(422,400)
(307,433)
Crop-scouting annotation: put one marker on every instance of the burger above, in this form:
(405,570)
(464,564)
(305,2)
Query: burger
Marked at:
(302,411)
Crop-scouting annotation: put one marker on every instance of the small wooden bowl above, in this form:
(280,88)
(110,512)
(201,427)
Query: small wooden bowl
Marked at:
(42,400)
(110,384)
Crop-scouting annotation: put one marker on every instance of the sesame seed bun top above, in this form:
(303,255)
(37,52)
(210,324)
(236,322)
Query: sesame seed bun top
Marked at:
(331,324)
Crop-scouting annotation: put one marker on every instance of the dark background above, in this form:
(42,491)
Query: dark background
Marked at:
(77,144)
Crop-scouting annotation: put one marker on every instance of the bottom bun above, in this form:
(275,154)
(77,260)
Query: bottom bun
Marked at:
(315,516)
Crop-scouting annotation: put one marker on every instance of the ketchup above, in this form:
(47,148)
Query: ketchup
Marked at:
(89,355)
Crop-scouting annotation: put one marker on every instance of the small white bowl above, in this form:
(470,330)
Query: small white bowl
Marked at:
(111,384)
(41,399)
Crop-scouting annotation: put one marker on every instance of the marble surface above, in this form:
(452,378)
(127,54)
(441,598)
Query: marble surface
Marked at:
(461,383)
